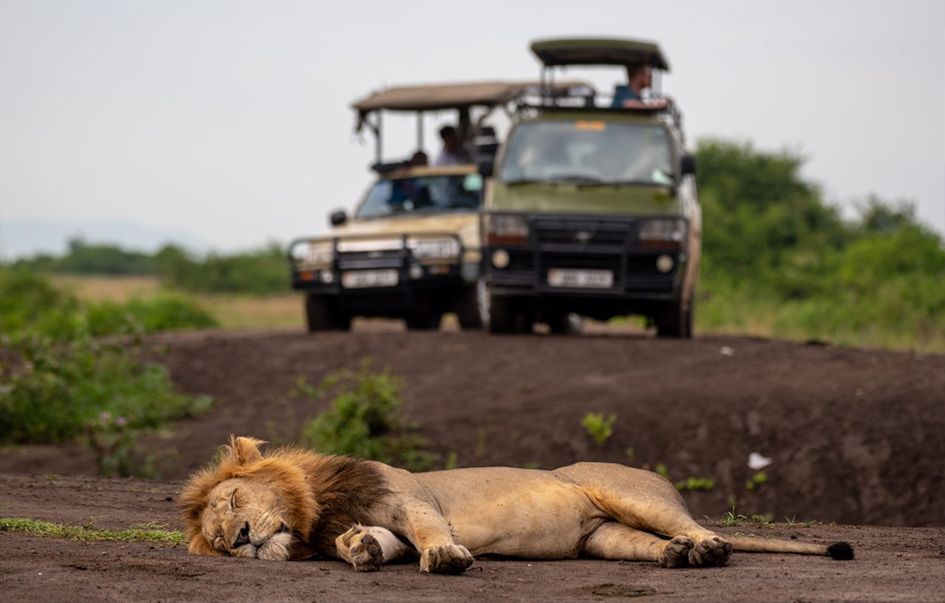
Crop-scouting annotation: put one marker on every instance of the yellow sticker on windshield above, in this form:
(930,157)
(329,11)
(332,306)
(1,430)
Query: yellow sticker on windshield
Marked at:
(584,124)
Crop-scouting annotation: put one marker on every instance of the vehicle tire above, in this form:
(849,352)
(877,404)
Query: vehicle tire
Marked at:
(674,322)
(467,310)
(323,314)
(496,313)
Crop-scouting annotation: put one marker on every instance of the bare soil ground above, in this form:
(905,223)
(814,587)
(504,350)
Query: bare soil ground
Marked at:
(855,437)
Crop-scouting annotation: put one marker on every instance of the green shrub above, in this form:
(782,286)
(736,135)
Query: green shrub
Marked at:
(599,427)
(30,303)
(364,420)
(165,311)
(52,391)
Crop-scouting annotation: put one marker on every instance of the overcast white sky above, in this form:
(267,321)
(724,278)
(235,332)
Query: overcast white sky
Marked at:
(228,123)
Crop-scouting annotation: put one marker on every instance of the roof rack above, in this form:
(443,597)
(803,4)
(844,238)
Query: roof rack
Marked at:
(558,52)
(461,97)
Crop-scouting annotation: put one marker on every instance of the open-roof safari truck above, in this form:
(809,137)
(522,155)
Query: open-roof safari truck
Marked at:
(592,209)
(411,248)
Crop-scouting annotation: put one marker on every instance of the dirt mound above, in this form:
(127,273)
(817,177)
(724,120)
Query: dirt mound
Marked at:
(854,435)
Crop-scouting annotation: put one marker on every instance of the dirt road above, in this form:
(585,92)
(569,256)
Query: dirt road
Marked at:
(855,437)
(892,564)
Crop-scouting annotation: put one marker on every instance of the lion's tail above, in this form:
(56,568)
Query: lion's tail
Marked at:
(840,551)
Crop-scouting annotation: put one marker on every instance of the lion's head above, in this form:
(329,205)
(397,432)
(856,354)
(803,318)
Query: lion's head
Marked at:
(249,505)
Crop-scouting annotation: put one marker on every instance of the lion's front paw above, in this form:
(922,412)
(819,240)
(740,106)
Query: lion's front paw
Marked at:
(676,552)
(714,551)
(447,559)
(360,549)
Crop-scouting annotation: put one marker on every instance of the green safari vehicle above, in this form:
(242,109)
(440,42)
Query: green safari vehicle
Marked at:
(592,209)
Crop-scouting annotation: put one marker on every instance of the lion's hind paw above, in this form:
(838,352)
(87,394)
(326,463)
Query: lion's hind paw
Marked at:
(714,551)
(676,552)
(446,559)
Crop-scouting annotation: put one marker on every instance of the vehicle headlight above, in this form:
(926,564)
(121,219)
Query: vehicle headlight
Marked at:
(434,249)
(506,229)
(663,233)
(313,253)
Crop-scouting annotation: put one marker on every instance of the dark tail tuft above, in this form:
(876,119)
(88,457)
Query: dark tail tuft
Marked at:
(841,551)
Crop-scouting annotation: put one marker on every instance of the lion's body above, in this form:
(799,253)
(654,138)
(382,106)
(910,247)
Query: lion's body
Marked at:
(297,504)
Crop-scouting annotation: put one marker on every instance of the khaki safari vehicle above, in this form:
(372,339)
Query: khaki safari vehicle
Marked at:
(411,247)
(592,209)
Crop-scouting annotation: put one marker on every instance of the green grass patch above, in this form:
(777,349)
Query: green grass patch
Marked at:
(46,529)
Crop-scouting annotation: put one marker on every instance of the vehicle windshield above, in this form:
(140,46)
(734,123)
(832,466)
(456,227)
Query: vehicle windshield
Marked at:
(588,152)
(422,195)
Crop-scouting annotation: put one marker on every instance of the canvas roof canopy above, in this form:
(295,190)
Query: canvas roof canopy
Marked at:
(598,51)
(452,96)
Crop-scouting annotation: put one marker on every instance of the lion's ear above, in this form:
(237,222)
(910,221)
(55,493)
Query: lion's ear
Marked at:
(246,450)
(199,546)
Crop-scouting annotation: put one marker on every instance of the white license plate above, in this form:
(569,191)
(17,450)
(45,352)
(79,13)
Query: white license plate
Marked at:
(359,279)
(584,279)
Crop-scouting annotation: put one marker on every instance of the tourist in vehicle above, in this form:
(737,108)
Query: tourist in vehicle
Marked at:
(453,152)
(639,77)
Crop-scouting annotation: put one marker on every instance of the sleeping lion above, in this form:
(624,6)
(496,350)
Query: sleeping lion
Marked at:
(295,504)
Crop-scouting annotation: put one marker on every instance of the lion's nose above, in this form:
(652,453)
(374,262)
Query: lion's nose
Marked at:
(243,537)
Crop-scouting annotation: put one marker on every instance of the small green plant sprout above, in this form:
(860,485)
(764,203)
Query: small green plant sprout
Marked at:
(763,521)
(599,427)
(480,443)
(731,518)
(695,483)
(756,480)
(531,465)
(631,454)
(791,521)
(452,460)
(662,469)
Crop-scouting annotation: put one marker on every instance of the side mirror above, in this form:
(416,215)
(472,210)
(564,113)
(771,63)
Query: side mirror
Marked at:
(486,167)
(338,218)
(688,164)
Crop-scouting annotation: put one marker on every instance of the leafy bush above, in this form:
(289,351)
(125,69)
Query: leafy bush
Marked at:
(57,383)
(780,262)
(598,427)
(29,302)
(164,311)
(364,419)
(52,391)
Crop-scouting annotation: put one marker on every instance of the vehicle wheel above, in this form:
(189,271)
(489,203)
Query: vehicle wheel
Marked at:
(467,310)
(323,314)
(495,312)
(674,322)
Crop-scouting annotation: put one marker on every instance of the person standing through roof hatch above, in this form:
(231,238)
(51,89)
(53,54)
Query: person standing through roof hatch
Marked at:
(639,77)
(453,152)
